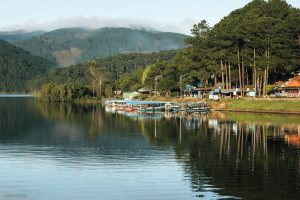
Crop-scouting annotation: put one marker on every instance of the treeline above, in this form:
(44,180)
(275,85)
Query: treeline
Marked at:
(63,92)
(251,48)
(103,75)
(18,66)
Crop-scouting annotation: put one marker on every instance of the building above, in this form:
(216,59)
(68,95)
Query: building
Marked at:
(292,87)
(145,91)
(131,95)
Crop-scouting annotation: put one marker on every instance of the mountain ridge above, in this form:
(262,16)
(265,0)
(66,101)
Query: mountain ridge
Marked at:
(69,46)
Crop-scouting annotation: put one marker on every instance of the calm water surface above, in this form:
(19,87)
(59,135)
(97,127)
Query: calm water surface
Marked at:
(57,151)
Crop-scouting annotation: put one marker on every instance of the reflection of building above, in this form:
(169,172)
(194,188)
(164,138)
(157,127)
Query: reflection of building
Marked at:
(213,123)
(292,135)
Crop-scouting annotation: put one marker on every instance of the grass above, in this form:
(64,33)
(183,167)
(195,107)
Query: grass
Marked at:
(264,105)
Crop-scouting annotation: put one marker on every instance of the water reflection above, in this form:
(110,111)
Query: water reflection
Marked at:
(209,156)
(235,155)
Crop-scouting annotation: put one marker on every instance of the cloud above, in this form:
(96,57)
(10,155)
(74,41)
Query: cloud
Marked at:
(183,26)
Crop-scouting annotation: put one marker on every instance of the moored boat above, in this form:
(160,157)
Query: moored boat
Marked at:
(199,107)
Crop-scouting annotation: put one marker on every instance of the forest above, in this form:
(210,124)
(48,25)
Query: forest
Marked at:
(18,66)
(110,71)
(253,47)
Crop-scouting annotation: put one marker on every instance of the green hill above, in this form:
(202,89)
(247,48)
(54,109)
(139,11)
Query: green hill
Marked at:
(115,66)
(70,46)
(17,66)
(16,36)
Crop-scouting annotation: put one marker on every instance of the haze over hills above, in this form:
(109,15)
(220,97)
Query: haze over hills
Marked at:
(17,66)
(20,35)
(70,46)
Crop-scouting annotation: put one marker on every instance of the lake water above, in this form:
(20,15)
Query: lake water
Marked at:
(57,151)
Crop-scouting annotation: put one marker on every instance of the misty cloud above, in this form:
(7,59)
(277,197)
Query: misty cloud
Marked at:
(183,26)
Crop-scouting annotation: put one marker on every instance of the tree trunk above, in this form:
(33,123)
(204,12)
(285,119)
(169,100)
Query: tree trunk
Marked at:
(100,87)
(258,86)
(243,77)
(93,89)
(222,72)
(264,82)
(247,77)
(226,74)
(239,68)
(229,72)
(215,81)
(254,69)
(267,70)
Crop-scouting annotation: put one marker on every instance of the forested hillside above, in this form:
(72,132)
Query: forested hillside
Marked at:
(18,66)
(15,36)
(73,45)
(111,69)
(253,47)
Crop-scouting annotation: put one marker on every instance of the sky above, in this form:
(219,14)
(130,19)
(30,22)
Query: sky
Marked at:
(163,15)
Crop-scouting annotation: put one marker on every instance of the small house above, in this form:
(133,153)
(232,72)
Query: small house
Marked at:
(131,95)
(145,91)
(292,87)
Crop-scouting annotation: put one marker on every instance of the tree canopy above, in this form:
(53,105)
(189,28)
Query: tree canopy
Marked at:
(17,66)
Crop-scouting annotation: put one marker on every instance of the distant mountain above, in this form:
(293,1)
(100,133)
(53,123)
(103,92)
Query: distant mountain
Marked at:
(74,45)
(17,66)
(16,36)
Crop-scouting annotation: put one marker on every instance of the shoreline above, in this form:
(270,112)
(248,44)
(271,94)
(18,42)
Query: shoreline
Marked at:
(257,111)
(249,105)
(289,106)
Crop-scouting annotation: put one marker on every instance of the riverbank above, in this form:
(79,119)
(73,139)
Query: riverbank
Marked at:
(259,105)
(250,105)
(254,105)
(257,118)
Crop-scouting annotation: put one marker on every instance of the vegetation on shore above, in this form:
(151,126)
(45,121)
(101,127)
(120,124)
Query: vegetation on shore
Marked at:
(120,72)
(256,45)
(63,92)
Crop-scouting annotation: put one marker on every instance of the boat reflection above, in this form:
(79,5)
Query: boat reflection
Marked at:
(234,155)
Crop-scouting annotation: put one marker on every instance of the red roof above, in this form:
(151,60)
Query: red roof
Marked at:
(294,83)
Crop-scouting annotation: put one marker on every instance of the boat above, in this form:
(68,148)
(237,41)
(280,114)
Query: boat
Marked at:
(198,107)
(152,109)
(171,107)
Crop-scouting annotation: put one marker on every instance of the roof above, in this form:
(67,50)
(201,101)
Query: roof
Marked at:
(293,83)
(144,89)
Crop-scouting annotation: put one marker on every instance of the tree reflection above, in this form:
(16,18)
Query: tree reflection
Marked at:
(92,118)
(235,155)
(234,158)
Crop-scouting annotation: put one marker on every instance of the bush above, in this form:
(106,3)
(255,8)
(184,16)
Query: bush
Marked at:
(63,92)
